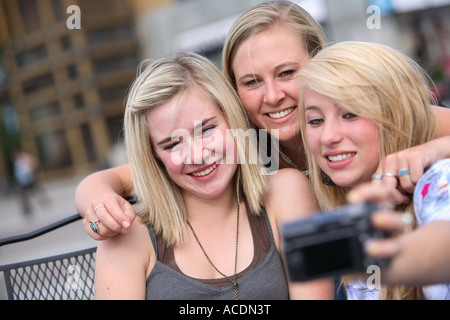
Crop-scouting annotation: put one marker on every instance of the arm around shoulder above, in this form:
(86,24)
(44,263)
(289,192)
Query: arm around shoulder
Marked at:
(115,180)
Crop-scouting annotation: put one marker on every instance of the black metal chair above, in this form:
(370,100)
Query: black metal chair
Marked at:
(67,276)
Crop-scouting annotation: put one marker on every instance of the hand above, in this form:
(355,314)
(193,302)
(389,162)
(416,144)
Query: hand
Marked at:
(116,216)
(394,223)
(416,159)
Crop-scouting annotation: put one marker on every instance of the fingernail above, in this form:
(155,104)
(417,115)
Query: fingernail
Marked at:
(352,197)
(125,224)
(372,248)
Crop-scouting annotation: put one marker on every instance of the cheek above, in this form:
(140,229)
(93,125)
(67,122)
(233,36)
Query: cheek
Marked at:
(171,164)
(313,141)
(251,101)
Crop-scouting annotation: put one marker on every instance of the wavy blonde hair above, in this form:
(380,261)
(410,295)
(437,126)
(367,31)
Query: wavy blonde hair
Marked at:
(264,16)
(161,203)
(379,83)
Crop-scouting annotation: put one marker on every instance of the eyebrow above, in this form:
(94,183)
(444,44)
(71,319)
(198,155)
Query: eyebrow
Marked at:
(196,127)
(253,75)
(313,107)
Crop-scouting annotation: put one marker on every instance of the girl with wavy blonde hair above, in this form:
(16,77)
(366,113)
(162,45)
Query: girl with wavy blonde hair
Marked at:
(361,102)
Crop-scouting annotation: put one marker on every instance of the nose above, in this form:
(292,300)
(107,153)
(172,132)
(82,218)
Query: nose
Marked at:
(331,133)
(197,151)
(273,93)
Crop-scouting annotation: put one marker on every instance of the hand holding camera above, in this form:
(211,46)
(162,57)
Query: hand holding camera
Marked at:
(331,244)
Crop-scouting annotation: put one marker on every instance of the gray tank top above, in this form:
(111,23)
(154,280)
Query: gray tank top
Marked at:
(265,281)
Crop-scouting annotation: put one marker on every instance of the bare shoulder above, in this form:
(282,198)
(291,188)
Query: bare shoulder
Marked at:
(288,180)
(122,264)
(290,196)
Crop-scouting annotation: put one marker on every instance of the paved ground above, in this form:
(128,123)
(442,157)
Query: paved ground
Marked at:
(59,204)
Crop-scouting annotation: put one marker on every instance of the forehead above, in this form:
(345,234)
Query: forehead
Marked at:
(181,112)
(277,45)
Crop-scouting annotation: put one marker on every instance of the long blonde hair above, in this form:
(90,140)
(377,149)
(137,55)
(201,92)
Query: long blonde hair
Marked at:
(265,16)
(161,203)
(379,83)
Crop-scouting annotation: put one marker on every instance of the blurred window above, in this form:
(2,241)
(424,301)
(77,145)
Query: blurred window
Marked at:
(45,111)
(38,83)
(29,57)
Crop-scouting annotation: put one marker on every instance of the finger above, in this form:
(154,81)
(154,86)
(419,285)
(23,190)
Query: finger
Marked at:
(129,213)
(404,176)
(376,193)
(90,232)
(108,221)
(391,221)
(382,248)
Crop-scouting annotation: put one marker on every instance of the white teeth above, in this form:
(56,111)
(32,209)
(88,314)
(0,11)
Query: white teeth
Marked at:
(340,157)
(278,115)
(205,172)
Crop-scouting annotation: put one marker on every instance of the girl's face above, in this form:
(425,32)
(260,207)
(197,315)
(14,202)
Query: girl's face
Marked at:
(265,66)
(344,145)
(189,135)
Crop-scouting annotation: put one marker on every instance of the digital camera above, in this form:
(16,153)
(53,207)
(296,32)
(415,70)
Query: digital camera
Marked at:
(331,244)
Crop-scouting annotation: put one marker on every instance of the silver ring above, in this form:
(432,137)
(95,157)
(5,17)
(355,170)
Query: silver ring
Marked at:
(389,175)
(100,205)
(404,172)
(377,176)
(94,225)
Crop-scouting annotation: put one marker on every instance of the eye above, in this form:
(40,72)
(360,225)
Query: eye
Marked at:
(171,146)
(208,130)
(349,115)
(252,83)
(314,122)
(287,73)
(174,145)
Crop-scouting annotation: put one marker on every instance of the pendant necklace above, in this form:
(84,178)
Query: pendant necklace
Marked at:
(233,281)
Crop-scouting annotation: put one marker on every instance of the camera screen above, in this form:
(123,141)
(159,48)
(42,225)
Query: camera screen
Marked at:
(328,257)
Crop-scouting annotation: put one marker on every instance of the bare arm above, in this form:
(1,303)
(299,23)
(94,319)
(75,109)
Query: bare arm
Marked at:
(106,187)
(420,257)
(442,116)
(291,198)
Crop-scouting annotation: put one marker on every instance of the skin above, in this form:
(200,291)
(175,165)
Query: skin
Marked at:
(344,145)
(110,185)
(210,204)
(266,84)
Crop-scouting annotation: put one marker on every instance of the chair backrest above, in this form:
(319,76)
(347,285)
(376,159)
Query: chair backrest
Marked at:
(64,277)
(68,276)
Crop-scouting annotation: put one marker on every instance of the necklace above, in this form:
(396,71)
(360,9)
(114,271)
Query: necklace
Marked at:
(289,160)
(234,280)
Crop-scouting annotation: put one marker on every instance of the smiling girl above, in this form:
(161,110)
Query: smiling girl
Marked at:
(205,230)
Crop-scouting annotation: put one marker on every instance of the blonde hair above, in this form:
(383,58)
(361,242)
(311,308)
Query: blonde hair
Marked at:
(265,16)
(375,82)
(156,83)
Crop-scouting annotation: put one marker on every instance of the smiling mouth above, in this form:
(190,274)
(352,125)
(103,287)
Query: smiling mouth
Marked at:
(341,157)
(279,115)
(206,171)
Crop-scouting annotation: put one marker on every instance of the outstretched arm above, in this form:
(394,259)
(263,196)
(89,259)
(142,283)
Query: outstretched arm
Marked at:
(109,188)
(420,257)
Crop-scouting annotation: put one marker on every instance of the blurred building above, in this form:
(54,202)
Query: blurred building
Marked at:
(67,84)
(65,88)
